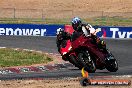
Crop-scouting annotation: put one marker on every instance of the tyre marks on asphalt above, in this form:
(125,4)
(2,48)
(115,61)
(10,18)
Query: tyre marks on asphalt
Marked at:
(43,68)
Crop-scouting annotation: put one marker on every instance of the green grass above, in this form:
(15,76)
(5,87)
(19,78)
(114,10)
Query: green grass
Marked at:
(33,21)
(110,21)
(102,21)
(11,57)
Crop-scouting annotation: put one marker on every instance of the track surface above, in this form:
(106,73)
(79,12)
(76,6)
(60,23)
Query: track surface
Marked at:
(121,49)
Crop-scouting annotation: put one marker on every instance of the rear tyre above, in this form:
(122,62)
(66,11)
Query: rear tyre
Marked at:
(87,62)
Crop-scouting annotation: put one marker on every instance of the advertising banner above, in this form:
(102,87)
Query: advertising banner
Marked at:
(108,31)
(29,29)
(50,30)
(114,32)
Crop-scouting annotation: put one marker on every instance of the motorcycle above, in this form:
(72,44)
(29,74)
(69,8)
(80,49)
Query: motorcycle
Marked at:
(91,56)
(83,52)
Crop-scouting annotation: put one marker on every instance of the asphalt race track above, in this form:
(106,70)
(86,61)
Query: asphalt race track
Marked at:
(121,49)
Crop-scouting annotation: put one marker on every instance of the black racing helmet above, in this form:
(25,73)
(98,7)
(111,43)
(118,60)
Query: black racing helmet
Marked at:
(76,21)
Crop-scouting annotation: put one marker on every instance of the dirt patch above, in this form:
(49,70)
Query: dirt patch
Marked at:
(58,9)
(63,83)
(76,5)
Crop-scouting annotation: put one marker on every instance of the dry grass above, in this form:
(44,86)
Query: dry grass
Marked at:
(61,11)
(77,5)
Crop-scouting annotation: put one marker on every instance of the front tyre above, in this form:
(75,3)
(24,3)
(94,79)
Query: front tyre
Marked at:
(87,62)
(74,61)
(111,63)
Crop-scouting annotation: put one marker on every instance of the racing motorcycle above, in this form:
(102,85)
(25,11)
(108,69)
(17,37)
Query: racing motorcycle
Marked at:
(91,57)
(83,52)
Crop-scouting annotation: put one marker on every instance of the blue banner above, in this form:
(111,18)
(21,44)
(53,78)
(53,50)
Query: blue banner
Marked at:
(114,32)
(29,29)
(50,30)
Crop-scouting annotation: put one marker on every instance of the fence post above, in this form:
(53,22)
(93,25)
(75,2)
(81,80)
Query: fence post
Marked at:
(102,17)
(14,13)
(42,13)
(72,13)
(102,13)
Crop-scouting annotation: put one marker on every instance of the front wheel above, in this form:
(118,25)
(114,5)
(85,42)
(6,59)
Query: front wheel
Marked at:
(111,63)
(74,61)
(87,62)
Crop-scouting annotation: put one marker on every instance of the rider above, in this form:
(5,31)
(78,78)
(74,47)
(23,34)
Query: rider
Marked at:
(86,29)
(62,37)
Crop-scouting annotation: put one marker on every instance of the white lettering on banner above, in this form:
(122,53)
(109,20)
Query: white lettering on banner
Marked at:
(18,31)
(27,31)
(120,34)
(36,32)
(2,31)
(129,34)
(43,31)
(114,31)
(9,31)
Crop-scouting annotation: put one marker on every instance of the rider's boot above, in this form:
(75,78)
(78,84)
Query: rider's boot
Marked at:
(101,44)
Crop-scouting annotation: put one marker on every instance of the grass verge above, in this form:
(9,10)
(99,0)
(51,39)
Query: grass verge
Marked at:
(102,21)
(10,57)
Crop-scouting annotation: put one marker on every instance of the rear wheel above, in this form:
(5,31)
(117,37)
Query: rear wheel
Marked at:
(86,61)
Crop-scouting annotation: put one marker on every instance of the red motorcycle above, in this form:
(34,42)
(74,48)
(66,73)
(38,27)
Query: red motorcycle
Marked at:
(83,52)
(91,57)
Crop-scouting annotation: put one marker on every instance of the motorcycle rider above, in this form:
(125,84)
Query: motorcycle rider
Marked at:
(62,37)
(86,29)
(79,29)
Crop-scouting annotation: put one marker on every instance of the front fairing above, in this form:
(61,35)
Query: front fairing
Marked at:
(66,48)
